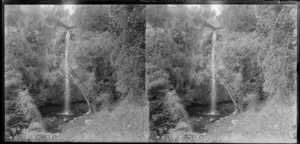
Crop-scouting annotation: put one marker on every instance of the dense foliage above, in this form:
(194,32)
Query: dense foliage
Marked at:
(106,61)
(160,53)
(176,59)
(264,55)
(28,56)
(255,55)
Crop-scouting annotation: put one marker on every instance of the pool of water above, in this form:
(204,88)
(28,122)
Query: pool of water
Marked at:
(223,109)
(200,115)
(54,116)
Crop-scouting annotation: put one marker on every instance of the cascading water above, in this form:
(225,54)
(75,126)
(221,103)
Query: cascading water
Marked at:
(67,110)
(213,108)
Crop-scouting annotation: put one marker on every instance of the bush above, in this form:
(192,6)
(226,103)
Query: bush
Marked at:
(197,124)
(173,105)
(250,100)
(20,112)
(27,107)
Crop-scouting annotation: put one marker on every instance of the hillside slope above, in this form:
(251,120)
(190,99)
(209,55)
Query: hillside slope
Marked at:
(273,123)
(127,123)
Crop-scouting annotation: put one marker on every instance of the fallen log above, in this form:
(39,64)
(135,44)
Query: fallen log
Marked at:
(85,97)
(230,94)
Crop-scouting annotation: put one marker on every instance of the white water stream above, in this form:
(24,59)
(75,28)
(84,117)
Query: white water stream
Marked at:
(67,85)
(213,104)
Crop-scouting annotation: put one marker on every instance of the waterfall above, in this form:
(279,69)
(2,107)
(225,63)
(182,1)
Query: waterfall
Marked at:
(67,85)
(213,103)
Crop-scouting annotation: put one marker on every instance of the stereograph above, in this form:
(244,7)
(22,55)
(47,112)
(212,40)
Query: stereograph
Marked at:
(150,71)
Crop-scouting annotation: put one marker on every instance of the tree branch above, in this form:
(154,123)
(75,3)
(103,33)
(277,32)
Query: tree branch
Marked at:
(53,19)
(59,23)
(230,94)
(206,24)
(89,104)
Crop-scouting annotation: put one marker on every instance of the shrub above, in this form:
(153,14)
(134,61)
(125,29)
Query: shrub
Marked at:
(197,124)
(27,107)
(250,100)
(20,111)
(173,105)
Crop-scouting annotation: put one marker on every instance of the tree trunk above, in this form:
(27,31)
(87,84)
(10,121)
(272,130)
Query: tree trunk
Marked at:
(54,20)
(91,110)
(59,23)
(208,25)
(230,94)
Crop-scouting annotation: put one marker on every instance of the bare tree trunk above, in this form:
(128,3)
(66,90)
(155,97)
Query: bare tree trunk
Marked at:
(230,94)
(208,25)
(85,97)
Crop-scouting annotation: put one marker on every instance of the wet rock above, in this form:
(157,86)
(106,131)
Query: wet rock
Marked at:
(234,122)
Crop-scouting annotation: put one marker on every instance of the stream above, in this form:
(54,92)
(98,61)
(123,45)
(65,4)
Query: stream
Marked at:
(200,117)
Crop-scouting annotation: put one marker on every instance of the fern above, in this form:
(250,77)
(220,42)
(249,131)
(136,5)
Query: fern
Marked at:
(173,105)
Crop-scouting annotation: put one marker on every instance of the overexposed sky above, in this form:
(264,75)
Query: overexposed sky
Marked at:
(70,7)
(216,8)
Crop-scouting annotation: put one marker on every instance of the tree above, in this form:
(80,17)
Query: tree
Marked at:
(26,50)
(176,62)
(92,18)
(249,43)
(239,18)
(128,56)
(279,61)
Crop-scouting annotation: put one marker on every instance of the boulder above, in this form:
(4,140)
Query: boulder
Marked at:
(175,135)
(182,126)
(179,130)
(234,122)
(30,135)
(88,122)
(36,126)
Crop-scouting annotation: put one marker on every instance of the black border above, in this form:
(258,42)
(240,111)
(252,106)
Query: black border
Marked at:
(13,2)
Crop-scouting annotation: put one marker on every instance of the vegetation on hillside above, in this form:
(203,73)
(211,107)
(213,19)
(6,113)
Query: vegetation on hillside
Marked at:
(153,62)
(106,57)
(255,57)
